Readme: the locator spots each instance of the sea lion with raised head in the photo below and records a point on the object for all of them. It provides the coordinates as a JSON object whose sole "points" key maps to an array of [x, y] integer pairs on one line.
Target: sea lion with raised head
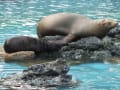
{"points": [[73, 26], [25, 43]]}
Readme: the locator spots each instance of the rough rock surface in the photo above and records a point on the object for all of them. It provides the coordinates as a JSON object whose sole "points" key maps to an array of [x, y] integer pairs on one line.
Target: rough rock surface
{"points": [[114, 49], [115, 32], [89, 49], [91, 43], [41, 77]]}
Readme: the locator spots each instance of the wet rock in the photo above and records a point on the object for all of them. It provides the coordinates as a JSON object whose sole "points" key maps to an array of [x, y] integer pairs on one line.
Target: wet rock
{"points": [[92, 49], [100, 56], [88, 49], [107, 41], [61, 80], [114, 59], [72, 54], [115, 32], [44, 76], [46, 69], [114, 49], [81, 49], [89, 43]]}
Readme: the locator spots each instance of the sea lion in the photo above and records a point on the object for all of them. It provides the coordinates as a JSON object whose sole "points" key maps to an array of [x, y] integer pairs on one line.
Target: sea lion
{"points": [[73, 26], [25, 43]]}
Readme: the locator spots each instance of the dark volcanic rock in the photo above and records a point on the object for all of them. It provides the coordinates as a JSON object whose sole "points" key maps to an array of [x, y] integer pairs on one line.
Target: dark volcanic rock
{"points": [[46, 69], [45, 81], [114, 49], [89, 49], [89, 43], [40, 76], [80, 49], [101, 55], [115, 32], [72, 54]]}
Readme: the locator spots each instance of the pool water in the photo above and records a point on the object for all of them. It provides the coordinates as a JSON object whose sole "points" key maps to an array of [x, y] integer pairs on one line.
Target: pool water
{"points": [[20, 17]]}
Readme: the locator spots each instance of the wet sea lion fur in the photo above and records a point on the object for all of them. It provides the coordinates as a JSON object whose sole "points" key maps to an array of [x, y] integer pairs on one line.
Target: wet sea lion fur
{"points": [[26, 43]]}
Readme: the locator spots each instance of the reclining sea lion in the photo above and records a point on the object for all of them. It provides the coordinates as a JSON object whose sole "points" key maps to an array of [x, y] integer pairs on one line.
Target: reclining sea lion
{"points": [[25, 43], [73, 26]]}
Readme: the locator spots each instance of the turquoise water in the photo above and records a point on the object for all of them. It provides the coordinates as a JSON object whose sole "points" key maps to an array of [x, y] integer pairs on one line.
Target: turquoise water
{"points": [[20, 17], [96, 76], [7, 69]]}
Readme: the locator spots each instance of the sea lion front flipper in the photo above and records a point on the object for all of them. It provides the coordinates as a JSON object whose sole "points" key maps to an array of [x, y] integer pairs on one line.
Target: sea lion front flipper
{"points": [[70, 37], [65, 40]]}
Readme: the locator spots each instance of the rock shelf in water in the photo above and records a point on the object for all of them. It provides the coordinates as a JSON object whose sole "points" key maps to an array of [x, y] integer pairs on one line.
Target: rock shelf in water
{"points": [[41, 77], [89, 49]]}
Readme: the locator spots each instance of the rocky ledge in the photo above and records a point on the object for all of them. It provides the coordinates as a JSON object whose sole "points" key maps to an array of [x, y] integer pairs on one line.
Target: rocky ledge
{"points": [[46, 76], [89, 49]]}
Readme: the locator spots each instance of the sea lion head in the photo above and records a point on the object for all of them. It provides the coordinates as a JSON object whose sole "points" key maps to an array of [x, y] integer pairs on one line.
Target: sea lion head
{"points": [[108, 23]]}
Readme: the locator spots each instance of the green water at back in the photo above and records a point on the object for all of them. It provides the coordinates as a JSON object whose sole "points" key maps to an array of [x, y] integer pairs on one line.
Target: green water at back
{"points": [[20, 17]]}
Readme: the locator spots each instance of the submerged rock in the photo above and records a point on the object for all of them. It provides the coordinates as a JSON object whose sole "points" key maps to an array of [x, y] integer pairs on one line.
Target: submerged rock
{"points": [[46, 75]]}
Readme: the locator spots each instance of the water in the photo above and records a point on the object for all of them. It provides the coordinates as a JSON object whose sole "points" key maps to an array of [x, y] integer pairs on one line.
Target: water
{"points": [[96, 76], [20, 17], [7, 69]]}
